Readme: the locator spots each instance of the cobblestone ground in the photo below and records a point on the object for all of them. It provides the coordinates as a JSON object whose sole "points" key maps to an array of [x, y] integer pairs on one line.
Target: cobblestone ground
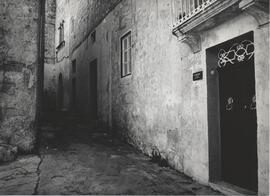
{"points": [[83, 160]]}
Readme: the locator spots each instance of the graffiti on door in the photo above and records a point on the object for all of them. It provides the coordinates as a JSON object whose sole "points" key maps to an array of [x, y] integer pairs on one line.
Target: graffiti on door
{"points": [[237, 53]]}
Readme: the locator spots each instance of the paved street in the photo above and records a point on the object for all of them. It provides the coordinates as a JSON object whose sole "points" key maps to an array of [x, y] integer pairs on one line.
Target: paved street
{"points": [[83, 160]]}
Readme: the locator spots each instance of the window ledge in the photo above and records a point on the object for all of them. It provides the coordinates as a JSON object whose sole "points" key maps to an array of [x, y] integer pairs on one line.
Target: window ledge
{"points": [[126, 76], [61, 45]]}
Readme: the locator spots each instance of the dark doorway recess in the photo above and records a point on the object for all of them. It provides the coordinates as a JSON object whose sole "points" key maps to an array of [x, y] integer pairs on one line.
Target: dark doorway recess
{"points": [[60, 92], [74, 94], [93, 89], [232, 116]]}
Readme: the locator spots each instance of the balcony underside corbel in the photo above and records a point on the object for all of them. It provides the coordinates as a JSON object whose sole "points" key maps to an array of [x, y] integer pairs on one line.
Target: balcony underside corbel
{"points": [[192, 40], [189, 30]]}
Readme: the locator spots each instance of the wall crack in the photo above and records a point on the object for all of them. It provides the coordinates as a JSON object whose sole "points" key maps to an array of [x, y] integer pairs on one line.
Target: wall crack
{"points": [[38, 173]]}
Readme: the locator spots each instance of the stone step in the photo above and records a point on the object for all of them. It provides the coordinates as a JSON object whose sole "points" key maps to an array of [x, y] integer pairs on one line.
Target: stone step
{"points": [[7, 153]]}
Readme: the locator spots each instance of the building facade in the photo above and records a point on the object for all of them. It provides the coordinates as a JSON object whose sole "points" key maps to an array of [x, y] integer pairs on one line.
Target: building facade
{"points": [[50, 80], [187, 81]]}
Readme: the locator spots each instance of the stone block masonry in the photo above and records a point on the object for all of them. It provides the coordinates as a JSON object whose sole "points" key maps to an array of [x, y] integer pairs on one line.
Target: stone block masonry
{"points": [[18, 64], [50, 82]]}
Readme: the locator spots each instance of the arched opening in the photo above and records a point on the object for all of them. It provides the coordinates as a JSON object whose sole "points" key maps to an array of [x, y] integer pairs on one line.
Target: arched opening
{"points": [[60, 92]]}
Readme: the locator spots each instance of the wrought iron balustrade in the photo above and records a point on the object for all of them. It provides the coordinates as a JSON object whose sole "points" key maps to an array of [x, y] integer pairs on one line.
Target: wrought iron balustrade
{"points": [[189, 8], [196, 16]]}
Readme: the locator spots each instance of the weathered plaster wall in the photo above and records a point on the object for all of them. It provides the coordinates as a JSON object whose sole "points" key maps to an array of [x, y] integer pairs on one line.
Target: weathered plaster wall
{"points": [[155, 107], [233, 28], [262, 96], [18, 64], [148, 106], [62, 63], [80, 19], [50, 78], [87, 15], [159, 109]]}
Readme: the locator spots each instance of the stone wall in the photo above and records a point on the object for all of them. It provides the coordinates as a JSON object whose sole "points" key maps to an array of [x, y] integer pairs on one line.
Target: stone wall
{"points": [[18, 64], [62, 63], [80, 18], [86, 16], [50, 80], [232, 28], [159, 108], [154, 107]]}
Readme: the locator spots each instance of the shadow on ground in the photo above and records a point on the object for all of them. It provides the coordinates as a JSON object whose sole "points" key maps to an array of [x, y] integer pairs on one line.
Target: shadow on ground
{"points": [[83, 159], [89, 160]]}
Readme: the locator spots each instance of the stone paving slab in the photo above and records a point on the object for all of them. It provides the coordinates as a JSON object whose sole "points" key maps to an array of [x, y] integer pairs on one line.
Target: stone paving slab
{"points": [[97, 163], [86, 162], [19, 177]]}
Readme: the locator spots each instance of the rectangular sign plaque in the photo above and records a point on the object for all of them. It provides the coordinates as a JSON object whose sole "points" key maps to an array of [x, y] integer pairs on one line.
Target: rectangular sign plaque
{"points": [[198, 76]]}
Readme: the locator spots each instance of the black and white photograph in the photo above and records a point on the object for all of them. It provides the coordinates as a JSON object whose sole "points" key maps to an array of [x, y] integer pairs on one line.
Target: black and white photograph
{"points": [[134, 97]]}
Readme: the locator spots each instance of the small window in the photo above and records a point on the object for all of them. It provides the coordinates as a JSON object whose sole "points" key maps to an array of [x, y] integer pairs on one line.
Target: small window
{"points": [[74, 66], [61, 36], [61, 32], [126, 55], [93, 36]]}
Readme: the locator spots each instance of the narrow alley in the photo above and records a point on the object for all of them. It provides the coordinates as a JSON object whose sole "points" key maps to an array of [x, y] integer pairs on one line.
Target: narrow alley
{"points": [[134, 97], [84, 159]]}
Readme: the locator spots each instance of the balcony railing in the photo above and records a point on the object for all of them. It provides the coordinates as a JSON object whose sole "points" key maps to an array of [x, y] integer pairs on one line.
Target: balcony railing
{"points": [[190, 8], [196, 16]]}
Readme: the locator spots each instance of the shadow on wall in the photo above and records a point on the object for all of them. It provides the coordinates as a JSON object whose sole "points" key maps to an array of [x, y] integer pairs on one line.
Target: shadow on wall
{"points": [[54, 101]]}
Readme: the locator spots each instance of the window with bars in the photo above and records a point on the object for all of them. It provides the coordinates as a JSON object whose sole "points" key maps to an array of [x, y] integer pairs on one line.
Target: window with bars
{"points": [[126, 54], [61, 36], [61, 32]]}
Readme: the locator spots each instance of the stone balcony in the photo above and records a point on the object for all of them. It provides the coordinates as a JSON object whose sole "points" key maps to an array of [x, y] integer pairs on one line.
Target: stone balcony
{"points": [[196, 16]]}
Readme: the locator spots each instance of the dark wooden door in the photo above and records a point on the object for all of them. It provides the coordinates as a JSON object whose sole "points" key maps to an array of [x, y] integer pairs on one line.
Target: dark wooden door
{"points": [[238, 120], [93, 89]]}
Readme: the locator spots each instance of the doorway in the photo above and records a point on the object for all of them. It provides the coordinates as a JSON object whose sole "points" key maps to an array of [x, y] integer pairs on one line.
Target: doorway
{"points": [[60, 92], [74, 94], [232, 113], [93, 89]]}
